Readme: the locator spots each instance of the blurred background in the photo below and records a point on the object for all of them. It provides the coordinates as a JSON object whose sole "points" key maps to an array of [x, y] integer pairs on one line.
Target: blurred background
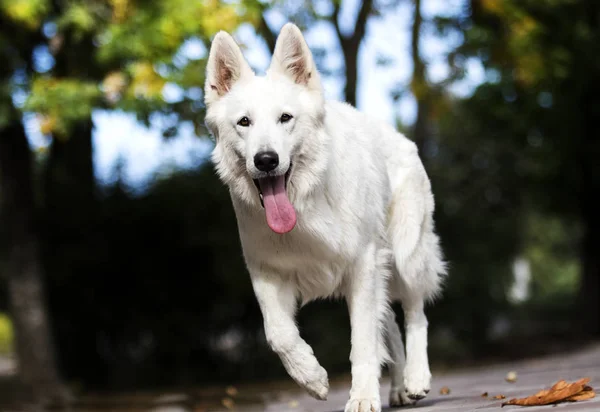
{"points": [[120, 264]]}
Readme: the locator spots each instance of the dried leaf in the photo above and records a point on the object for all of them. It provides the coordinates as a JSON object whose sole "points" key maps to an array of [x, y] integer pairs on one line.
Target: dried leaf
{"points": [[511, 377], [561, 391], [228, 403], [499, 397], [231, 391], [445, 391], [584, 395], [484, 395]]}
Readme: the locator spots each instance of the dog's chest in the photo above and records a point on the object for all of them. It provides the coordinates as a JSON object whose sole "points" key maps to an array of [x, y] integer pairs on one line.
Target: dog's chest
{"points": [[312, 256], [316, 269]]}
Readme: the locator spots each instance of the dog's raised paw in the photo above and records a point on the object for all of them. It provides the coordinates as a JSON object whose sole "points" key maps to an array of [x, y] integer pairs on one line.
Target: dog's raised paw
{"points": [[318, 387], [399, 397], [363, 405]]}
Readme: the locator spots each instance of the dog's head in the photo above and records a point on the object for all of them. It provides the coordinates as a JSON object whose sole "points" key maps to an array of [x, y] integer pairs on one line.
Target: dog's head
{"points": [[267, 129]]}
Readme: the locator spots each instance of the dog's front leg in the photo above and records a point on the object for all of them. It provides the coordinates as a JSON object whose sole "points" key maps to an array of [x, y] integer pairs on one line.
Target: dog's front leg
{"points": [[278, 304], [367, 303]]}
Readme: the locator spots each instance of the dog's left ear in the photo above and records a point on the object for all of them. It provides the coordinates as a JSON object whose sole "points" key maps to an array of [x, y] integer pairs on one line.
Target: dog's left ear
{"points": [[293, 58]]}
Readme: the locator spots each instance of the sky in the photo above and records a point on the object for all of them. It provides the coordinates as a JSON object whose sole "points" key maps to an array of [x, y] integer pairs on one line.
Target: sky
{"points": [[144, 152]]}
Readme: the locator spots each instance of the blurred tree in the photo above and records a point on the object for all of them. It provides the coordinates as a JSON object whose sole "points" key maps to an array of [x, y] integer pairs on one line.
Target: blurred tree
{"points": [[70, 58], [308, 13], [122, 55], [542, 102], [548, 55], [419, 85], [19, 228], [350, 44], [119, 55]]}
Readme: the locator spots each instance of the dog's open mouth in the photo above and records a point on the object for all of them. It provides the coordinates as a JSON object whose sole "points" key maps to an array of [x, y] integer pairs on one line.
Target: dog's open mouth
{"points": [[272, 190]]}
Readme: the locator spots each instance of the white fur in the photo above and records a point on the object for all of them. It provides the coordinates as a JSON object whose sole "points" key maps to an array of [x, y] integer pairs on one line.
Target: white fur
{"points": [[364, 230]]}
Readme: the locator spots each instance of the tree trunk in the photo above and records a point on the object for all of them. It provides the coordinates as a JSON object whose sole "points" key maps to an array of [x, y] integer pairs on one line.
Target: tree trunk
{"points": [[590, 282], [265, 31], [351, 63], [70, 183], [37, 368], [419, 84], [350, 45], [589, 152], [588, 159]]}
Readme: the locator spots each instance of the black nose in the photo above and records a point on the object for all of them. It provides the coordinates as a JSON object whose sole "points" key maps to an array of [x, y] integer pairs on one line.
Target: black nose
{"points": [[266, 161]]}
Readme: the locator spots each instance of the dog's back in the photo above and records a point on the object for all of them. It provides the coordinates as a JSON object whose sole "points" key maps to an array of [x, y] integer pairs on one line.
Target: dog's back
{"points": [[377, 174]]}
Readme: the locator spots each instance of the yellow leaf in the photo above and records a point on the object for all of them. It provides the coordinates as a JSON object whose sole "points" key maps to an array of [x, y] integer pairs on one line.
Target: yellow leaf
{"points": [[493, 6], [120, 10], [146, 83], [47, 124], [28, 12], [113, 85]]}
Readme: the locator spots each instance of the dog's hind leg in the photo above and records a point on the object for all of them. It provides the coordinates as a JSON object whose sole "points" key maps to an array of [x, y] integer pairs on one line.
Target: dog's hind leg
{"points": [[419, 266], [398, 396], [278, 304], [417, 377]]}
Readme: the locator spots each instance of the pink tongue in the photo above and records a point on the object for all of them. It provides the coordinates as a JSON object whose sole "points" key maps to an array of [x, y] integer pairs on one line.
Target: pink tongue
{"points": [[281, 216]]}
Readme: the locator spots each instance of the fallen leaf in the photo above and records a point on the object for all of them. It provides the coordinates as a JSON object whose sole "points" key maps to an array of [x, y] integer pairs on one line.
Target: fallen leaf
{"points": [[511, 377], [584, 395], [231, 391], [484, 395], [293, 404], [499, 397], [228, 403], [561, 391], [445, 391]]}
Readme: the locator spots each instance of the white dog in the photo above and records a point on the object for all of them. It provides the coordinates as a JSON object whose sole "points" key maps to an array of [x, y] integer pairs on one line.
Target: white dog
{"points": [[328, 203]]}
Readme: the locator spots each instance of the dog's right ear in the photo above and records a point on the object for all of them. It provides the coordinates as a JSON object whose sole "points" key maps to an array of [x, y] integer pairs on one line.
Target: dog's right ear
{"points": [[226, 65]]}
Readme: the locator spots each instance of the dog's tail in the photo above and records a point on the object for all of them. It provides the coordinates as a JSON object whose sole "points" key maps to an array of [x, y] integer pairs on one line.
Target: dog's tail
{"points": [[410, 225]]}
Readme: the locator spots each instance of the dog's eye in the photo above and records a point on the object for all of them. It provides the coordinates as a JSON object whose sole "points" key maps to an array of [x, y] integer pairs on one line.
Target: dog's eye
{"points": [[244, 122], [285, 118]]}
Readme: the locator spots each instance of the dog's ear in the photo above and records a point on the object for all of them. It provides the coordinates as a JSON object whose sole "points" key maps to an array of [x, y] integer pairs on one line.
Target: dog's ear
{"points": [[226, 65], [293, 58]]}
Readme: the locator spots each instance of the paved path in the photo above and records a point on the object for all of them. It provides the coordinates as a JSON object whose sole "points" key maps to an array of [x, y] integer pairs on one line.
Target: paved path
{"points": [[467, 386]]}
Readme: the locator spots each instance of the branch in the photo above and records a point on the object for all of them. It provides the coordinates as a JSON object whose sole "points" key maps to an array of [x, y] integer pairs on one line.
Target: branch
{"points": [[419, 86], [336, 24], [418, 65], [360, 26]]}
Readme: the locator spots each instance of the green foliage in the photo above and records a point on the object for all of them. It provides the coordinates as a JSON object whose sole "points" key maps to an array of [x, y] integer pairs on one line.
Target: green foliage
{"points": [[155, 30], [62, 103], [512, 162], [6, 335], [121, 54], [28, 12], [550, 248]]}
